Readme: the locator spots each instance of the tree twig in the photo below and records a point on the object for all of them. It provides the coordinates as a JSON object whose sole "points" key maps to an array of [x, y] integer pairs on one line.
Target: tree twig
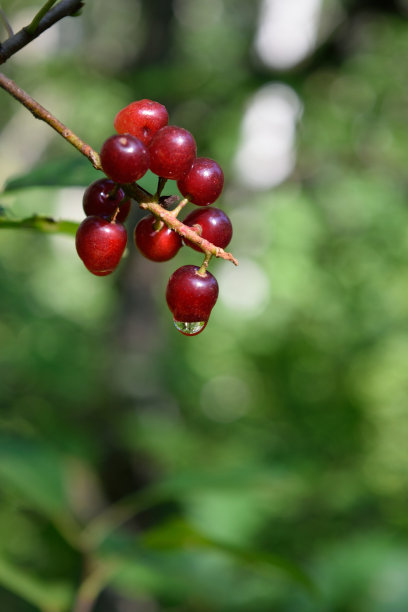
{"points": [[185, 231], [42, 113], [65, 8]]}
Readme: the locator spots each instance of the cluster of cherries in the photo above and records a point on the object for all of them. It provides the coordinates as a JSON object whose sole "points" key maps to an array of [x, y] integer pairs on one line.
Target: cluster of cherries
{"points": [[144, 141]]}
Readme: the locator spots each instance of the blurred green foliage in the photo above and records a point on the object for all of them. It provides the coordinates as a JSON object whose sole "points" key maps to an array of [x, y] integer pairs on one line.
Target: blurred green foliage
{"points": [[263, 464]]}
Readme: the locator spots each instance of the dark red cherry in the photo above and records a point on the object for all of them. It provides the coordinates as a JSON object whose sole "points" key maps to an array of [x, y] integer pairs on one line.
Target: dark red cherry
{"points": [[100, 244], [191, 297], [203, 183], [212, 224], [124, 158], [142, 119], [172, 152], [156, 244], [103, 197]]}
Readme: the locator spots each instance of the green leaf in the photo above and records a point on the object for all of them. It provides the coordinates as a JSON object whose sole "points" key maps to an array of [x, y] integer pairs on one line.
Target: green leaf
{"points": [[40, 224], [56, 173], [50, 596], [178, 534]]}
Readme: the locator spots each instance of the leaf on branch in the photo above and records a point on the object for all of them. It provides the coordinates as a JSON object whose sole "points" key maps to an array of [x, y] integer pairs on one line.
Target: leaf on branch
{"points": [[41, 224], [57, 173], [178, 534]]}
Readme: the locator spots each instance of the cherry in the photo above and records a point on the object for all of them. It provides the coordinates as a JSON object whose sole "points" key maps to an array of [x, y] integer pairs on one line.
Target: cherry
{"points": [[103, 197], [191, 297], [124, 158], [203, 183], [142, 119], [213, 225], [100, 244], [172, 152], [156, 244]]}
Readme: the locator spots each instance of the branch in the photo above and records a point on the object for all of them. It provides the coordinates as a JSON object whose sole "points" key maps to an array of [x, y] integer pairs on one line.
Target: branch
{"points": [[65, 8], [168, 217], [42, 113]]}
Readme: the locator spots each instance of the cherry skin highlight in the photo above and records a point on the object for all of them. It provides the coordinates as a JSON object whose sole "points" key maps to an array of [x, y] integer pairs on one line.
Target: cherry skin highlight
{"points": [[100, 244], [212, 224], [142, 119], [157, 245], [203, 183], [191, 296], [124, 158], [103, 197], [172, 152]]}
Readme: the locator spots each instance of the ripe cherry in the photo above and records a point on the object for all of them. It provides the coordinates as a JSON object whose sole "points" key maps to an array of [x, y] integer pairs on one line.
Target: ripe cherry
{"points": [[191, 297], [172, 152], [142, 119], [212, 224], [100, 244], [156, 244], [203, 183], [103, 197], [124, 158]]}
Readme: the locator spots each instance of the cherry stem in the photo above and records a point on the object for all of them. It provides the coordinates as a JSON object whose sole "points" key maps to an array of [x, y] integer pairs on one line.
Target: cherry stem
{"points": [[185, 231], [176, 211], [160, 186], [203, 269]]}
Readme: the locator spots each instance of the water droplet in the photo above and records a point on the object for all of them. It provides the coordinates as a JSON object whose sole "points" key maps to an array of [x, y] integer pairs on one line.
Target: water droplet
{"points": [[190, 328]]}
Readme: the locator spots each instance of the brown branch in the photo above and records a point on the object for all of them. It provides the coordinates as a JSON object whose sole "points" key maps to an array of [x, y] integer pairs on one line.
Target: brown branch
{"points": [[185, 231], [65, 8], [42, 113]]}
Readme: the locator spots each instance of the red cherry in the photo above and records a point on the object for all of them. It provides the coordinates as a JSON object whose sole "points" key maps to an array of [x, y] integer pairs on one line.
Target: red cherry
{"points": [[203, 183], [157, 245], [103, 197], [172, 152], [191, 297], [124, 158], [142, 119], [100, 244], [213, 225]]}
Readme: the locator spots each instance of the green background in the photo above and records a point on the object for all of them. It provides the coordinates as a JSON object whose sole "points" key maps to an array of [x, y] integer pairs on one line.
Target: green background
{"points": [[262, 465]]}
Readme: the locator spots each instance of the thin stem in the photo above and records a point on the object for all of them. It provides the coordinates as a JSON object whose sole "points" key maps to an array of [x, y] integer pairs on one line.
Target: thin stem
{"points": [[95, 578], [203, 269], [6, 23], [32, 27], [64, 8], [160, 186], [42, 113], [186, 232], [176, 211]]}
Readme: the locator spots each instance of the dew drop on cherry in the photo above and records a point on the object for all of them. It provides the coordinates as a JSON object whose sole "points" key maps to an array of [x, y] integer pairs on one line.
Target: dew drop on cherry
{"points": [[190, 328]]}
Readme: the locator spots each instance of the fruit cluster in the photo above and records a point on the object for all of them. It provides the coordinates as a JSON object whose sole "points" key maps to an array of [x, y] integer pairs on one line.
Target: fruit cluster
{"points": [[144, 141]]}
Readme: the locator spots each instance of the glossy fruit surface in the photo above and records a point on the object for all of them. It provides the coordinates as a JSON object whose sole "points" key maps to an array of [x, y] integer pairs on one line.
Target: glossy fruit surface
{"points": [[203, 183], [142, 119], [157, 245], [124, 158], [213, 225], [190, 296], [103, 197], [100, 244], [172, 152]]}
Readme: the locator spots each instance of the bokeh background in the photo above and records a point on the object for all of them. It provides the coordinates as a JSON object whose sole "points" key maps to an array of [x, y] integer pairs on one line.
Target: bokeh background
{"points": [[262, 465]]}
